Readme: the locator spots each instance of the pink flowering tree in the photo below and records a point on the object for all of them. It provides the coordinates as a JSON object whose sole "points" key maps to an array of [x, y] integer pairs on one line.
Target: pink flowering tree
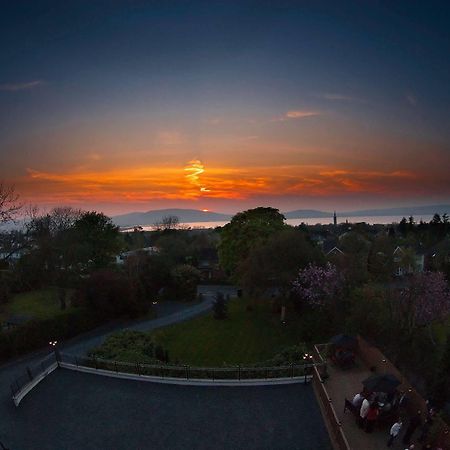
{"points": [[318, 286], [424, 301]]}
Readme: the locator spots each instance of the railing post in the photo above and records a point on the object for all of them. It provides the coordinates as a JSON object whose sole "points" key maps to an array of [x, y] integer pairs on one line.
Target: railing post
{"points": [[267, 373], [292, 370], [187, 372], [57, 356], [239, 372], [95, 363], [76, 361], [213, 373], [162, 372]]}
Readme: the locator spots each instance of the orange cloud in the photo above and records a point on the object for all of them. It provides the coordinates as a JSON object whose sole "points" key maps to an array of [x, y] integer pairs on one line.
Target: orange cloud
{"points": [[296, 114], [193, 183]]}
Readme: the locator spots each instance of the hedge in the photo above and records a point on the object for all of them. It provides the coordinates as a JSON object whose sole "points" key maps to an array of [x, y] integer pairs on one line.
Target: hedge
{"points": [[36, 334]]}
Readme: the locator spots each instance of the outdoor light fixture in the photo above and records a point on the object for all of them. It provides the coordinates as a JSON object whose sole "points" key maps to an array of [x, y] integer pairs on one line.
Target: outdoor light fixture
{"points": [[53, 343]]}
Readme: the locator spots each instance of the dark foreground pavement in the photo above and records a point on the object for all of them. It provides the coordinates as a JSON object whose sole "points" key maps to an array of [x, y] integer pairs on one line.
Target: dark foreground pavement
{"points": [[71, 410]]}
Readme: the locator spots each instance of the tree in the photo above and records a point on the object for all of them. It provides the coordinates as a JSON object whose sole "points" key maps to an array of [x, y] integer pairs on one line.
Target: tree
{"points": [[167, 223], [318, 286], [150, 272], [111, 294], [441, 388], [184, 281], [354, 262], [220, 308], [380, 258], [276, 262], [97, 239], [424, 300], [246, 230], [9, 203], [53, 247]]}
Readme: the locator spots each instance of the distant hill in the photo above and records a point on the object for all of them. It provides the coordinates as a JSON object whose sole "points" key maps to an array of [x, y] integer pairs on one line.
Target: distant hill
{"points": [[194, 215], [151, 217], [400, 211], [306, 214]]}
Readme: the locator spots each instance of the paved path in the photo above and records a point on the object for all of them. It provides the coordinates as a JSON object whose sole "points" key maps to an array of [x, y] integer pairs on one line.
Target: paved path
{"points": [[167, 312]]}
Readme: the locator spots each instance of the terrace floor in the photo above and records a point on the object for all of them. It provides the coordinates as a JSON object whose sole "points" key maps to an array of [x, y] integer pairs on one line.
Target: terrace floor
{"points": [[345, 383], [71, 410]]}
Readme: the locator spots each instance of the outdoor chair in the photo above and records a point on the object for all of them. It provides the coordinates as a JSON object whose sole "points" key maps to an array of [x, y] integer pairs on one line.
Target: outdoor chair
{"points": [[350, 407]]}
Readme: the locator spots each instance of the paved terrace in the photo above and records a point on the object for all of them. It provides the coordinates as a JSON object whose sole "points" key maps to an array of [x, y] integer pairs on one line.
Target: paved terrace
{"points": [[345, 383], [72, 410]]}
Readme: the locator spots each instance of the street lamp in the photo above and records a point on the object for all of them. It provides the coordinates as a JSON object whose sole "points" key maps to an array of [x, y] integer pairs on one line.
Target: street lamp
{"points": [[306, 357]]}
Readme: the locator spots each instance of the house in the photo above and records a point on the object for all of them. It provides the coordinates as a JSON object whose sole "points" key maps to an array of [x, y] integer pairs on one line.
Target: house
{"points": [[122, 257], [408, 260], [331, 248], [335, 251]]}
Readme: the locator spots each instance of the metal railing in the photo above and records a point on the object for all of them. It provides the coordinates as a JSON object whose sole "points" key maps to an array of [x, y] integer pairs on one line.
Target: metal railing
{"points": [[31, 373], [187, 372]]}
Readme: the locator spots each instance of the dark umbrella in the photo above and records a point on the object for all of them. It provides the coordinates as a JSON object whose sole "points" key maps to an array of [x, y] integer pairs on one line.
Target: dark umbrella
{"points": [[344, 341], [381, 383]]}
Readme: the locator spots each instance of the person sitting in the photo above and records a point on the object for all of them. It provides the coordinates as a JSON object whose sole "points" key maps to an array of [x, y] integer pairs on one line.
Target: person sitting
{"points": [[363, 412], [357, 400], [371, 417]]}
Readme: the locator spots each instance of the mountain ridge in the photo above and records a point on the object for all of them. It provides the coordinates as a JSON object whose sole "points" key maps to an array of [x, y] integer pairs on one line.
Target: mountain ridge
{"points": [[195, 215]]}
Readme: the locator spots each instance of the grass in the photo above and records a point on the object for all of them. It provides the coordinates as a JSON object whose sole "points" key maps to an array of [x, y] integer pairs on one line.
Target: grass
{"points": [[245, 337], [38, 304]]}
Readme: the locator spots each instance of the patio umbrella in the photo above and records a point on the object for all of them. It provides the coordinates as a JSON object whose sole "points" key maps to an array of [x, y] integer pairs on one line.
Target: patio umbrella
{"points": [[381, 383], [344, 341]]}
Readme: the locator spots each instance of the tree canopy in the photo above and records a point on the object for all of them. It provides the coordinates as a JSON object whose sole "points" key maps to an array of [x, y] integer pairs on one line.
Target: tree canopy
{"points": [[276, 262], [245, 230]]}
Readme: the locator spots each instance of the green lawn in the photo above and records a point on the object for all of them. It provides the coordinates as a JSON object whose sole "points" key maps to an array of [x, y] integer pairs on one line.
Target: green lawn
{"points": [[39, 304], [244, 338]]}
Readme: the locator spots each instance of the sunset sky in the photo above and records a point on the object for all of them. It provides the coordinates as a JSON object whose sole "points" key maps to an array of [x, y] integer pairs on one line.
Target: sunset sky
{"points": [[138, 105]]}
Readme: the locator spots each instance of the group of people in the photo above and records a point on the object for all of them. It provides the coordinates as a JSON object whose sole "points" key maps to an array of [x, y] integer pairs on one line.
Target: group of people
{"points": [[370, 406], [368, 411]]}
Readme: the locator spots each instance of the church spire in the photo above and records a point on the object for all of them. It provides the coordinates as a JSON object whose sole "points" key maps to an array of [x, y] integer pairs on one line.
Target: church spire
{"points": [[335, 219]]}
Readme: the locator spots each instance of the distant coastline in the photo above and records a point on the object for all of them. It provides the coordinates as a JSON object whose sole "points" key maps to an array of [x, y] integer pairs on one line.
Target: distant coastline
{"points": [[383, 220], [207, 219]]}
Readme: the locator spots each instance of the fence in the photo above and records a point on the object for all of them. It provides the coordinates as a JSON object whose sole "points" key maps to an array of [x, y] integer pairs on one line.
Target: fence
{"points": [[319, 373], [297, 372], [32, 376]]}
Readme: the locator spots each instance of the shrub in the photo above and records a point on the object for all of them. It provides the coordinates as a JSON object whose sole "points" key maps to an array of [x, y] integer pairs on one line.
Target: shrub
{"points": [[131, 346], [184, 282], [220, 307]]}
